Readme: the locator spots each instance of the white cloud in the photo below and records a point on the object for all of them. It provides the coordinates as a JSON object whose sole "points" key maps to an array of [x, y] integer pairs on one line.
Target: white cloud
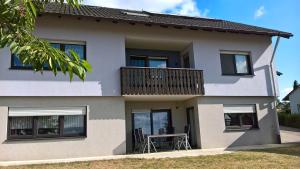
{"points": [[259, 12], [181, 7]]}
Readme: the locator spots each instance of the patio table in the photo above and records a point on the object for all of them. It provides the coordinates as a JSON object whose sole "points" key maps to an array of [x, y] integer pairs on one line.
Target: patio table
{"points": [[149, 137]]}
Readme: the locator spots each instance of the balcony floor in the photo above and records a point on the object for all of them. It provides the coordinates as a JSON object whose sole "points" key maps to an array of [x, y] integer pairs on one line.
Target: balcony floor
{"points": [[158, 97]]}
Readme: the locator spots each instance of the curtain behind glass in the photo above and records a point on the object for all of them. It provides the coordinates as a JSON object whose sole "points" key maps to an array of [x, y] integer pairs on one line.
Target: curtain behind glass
{"points": [[74, 125], [48, 125], [21, 126]]}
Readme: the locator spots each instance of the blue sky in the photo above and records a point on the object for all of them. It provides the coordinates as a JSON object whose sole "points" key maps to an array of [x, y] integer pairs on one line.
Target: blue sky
{"points": [[277, 14]]}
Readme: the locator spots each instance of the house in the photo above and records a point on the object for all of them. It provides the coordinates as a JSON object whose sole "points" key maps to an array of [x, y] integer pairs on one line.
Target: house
{"points": [[150, 71], [294, 98]]}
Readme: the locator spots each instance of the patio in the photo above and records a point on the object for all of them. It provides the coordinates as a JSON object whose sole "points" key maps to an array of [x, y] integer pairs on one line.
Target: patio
{"points": [[160, 126]]}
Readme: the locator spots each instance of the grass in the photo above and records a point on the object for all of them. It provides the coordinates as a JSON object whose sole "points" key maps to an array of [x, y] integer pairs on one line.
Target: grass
{"points": [[256, 159]]}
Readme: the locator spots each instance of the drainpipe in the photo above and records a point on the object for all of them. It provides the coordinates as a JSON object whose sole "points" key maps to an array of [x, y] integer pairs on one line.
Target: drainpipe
{"points": [[274, 88]]}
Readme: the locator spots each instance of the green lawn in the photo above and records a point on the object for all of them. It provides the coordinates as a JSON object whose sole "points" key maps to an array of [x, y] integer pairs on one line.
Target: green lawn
{"points": [[269, 158]]}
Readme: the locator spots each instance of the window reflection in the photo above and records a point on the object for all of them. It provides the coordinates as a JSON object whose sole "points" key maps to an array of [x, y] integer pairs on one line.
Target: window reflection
{"points": [[152, 122], [158, 63], [160, 122], [143, 120], [79, 49], [241, 64]]}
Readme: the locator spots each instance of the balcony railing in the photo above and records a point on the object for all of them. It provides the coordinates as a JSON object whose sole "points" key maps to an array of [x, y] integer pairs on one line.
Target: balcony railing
{"points": [[161, 81]]}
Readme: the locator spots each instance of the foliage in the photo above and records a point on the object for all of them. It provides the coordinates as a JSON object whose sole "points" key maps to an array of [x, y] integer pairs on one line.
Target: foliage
{"points": [[17, 22], [283, 106], [296, 84], [288, 119]]}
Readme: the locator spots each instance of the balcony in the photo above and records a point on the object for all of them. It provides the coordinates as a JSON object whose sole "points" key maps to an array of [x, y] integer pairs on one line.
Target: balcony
{"points": [[161, 81]]}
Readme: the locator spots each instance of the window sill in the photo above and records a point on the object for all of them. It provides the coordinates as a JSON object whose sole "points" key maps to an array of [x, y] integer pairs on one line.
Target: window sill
{"points": [[27, 69], [241, 75], [44, 139], [240, 130]]}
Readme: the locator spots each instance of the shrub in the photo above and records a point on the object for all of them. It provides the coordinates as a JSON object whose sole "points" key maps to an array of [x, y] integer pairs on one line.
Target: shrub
{"points": [[290, 120]]}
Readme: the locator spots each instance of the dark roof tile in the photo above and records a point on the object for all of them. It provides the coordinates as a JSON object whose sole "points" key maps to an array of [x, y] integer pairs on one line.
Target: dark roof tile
{"points": [[162, 19]]}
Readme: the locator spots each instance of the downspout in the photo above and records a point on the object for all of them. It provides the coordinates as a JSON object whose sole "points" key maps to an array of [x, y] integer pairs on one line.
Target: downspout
{"points": [[275, 93]]}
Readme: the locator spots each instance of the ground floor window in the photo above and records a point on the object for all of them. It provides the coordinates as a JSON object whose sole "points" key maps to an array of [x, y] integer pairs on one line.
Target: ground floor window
{"points": [[240, 117], [152, 121], [24, 123]]}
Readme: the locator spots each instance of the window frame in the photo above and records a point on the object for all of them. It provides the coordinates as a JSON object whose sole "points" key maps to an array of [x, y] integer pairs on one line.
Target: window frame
{"points": [[152, 111], [249, 63], [35, 129], [148, 58], [62, 48], [255, 124]]}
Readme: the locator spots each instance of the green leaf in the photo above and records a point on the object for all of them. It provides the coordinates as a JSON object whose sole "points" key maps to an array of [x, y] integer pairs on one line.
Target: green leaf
{"points": [[32, 8], [21, 49], [87, 66]]}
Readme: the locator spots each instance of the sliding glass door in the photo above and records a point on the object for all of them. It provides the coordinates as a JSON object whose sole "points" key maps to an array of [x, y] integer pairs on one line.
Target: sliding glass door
{"points": [[142, 120], [152, 122]]}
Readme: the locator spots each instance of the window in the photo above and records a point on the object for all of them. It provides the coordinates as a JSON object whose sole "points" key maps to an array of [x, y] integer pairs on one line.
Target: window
{"points": [[240, 117], [135, 13], [236, 64], [152, 121], [138, 61], [80, 49], [24, 123], [158, 62], [144, 61]]}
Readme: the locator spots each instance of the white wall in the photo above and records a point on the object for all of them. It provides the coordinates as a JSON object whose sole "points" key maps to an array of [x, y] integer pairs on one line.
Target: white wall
{"points": [[106, 52], [102, 138], [213, 133], [295, 101], [207, 57]]}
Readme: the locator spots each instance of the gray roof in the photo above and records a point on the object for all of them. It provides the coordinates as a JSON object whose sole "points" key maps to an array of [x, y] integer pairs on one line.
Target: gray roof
{"points": [[165, 20]]}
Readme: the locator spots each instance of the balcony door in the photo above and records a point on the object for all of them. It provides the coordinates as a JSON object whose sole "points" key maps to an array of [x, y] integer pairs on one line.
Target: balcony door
{"points": [[152, 122], [190, 114]]}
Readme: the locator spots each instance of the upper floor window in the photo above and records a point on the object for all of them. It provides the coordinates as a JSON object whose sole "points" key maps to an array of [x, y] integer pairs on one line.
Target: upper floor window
{"points": [[144, 61], [80, 49], [236, 64], [158, 62]]}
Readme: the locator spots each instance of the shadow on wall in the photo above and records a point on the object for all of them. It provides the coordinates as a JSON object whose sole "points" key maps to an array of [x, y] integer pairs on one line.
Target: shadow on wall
{"points": [[266, 134], [50, 140], [267, 70], [121, 149], [107, 115]]}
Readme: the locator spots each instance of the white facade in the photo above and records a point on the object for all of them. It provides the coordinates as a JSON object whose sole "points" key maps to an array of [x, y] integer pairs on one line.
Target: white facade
{"points": [[295, 101], [109, 117], [106, 43]]}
